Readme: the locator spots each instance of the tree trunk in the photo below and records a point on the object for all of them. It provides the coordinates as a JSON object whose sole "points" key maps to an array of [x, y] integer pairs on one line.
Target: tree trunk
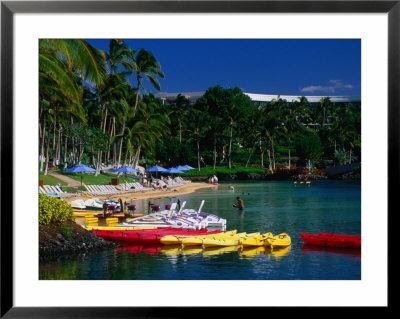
{"points": [[261, 153], [137, 156], [198, 154], [230, 148], [137, 94], [65, 148], [273, 153], [215, 152], [126, 156], [42, 146], [248, 159], [110, 134], [120, 144], [270, 163], [54, 140], [47, 155]]}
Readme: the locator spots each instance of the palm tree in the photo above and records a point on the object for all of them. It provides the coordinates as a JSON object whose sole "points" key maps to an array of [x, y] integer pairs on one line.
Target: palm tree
{"points": [[179, 108], [197, 127], [152, 118], [146, 66]]}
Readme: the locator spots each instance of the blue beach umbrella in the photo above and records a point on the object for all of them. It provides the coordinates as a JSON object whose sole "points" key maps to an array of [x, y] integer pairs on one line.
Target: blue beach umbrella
{"points": [[187, 167], [156, 169], [80, 168], [173, 170], [125, 169], [181, 168]]}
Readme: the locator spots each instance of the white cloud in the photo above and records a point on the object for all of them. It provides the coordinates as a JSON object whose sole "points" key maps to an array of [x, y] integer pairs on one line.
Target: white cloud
{"points": [[332, 86]]}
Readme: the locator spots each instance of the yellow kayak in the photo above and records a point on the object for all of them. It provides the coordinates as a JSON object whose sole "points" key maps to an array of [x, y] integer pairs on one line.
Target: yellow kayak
{"points": [[198, 240], [281, 240], [177, 239], [211, 242], [258, 240]]}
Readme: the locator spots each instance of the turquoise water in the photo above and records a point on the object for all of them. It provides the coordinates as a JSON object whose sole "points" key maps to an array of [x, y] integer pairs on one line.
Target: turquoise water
{"points": [[277, 207]]}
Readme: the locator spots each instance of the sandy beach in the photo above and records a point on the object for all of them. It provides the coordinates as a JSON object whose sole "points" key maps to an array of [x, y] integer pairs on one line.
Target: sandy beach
{"points": [[179, 190]]}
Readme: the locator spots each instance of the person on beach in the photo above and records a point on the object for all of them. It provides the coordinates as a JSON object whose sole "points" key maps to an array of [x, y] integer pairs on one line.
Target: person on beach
{"points": [[215, 179], [239, 204]]}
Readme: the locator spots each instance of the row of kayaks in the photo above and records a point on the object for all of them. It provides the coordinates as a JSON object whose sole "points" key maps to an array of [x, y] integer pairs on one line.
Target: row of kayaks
{"points": [[229, 238], [146, 234], [191, 237]]}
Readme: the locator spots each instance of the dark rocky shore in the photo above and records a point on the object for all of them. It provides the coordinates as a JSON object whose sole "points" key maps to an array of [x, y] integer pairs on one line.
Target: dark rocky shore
{"points": [[67, 240]]}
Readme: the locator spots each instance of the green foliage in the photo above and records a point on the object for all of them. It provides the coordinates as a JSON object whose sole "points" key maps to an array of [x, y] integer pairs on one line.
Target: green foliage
{"points": [[169, 150], [309, 147], [66, 230], [52, 209], [223, 170]]}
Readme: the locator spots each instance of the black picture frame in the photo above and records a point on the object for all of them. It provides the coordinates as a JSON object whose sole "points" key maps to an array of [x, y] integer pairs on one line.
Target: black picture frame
{"points": [[9, 8]]}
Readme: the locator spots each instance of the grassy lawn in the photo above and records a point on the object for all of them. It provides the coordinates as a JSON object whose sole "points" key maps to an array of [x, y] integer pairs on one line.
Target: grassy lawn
{"points": [[50, 180], [100, 179], [223, 170]]}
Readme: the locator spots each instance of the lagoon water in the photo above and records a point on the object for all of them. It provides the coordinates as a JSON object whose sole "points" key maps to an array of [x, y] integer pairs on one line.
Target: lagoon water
{"points": [[277, 207]]}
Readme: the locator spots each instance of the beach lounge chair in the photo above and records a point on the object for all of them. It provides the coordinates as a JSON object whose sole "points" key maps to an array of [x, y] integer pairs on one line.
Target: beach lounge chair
{"points": [[181, 180], [92, 190], [41, 190], [141, 188], [114, 190], [48, 191], [62, 193], [173, 183], [104, 189], [111, 189]]}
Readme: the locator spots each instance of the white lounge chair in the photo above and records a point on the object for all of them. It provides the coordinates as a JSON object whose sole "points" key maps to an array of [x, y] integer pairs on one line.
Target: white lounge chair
{"points": [[62, 193]]}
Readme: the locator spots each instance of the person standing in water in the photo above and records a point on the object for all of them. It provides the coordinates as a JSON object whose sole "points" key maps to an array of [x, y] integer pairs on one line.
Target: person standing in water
{"points": [[239, 204]]}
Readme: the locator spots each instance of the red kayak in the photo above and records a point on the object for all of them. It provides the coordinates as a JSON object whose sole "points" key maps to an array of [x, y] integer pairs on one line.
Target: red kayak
{"points": [[148, 235], [332, 240], [155, 237]]}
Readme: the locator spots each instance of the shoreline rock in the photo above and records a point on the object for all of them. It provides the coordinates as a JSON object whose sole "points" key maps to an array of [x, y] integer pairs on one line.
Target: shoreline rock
{"points": [[68, 240]]}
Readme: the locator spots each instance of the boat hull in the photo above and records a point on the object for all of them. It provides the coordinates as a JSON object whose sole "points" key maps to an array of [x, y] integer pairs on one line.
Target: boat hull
{"points": [[281, 240], [332, 240]]}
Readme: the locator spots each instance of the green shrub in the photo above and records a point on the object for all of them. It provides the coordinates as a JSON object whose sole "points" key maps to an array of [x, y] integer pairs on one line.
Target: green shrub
{"points": [[52, 209], [66, 230]]}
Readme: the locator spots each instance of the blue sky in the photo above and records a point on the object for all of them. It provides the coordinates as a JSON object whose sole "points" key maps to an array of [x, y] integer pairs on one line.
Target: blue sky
{"points": [[325, 67]]}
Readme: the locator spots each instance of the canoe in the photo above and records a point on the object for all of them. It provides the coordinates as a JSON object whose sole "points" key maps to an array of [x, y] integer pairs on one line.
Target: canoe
{"points": [[332, 240], [281, 240], [255, 240], [177, 239]]}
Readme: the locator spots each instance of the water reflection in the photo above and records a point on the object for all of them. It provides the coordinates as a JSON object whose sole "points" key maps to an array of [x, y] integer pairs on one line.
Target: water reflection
{"points": [[332, 250]]}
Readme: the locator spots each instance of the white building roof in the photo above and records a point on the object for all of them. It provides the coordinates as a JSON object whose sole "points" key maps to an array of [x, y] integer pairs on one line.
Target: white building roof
{"points": [[268, 97]]}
